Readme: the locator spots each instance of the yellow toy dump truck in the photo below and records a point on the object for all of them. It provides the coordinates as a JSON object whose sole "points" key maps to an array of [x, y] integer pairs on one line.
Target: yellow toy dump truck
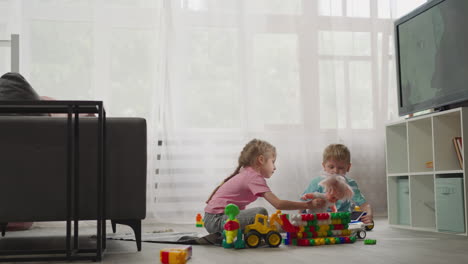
{"points": [[263, 228]]}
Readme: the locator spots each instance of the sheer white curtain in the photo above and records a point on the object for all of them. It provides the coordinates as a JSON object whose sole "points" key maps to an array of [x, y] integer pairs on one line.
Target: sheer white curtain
{"points": [[300, 74], [209, 75]]}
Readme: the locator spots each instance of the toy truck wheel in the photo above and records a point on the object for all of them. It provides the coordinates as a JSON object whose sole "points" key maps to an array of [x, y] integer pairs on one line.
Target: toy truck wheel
{"points": [[370, 227], [361, 234], [273, 239], [253, 238]]}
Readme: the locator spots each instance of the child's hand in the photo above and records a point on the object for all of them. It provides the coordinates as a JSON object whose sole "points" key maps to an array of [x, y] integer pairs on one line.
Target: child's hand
{"points": [[316, 203], [367, 219], [307, 196]]}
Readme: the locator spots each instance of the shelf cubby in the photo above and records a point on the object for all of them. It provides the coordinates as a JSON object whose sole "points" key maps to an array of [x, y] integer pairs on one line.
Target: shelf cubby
{"points": [[420, 145], [446, 128], [450, 203], [422, 201], [398, 196], [392, 200], [397, 153]]}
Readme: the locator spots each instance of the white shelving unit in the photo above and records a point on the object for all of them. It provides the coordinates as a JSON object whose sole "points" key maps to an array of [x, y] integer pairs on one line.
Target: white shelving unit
{"points": [[421, 196]]}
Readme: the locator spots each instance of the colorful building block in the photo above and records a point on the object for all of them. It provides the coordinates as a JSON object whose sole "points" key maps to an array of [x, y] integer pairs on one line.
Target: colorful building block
{"points": [[199, 220], [177, 255], [317, 229]]}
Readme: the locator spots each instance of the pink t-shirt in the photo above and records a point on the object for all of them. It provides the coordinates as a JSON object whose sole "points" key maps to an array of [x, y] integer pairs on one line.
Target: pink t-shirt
{"points": [[241, 190]]}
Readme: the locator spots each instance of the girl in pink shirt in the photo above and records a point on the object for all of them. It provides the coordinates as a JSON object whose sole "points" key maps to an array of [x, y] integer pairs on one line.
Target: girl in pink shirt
{"points": [[245, 185]]}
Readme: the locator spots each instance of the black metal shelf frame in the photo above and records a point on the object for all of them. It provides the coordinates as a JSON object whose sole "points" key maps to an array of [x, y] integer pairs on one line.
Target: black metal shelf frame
{"points": [[72, 109]]}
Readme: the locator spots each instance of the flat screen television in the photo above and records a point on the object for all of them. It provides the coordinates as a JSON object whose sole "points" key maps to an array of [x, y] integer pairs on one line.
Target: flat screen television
{"points": [[432, 57]]}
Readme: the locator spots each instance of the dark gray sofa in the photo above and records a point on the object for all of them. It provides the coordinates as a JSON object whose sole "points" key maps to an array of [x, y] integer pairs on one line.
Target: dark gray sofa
{"points": [[33, 169]]}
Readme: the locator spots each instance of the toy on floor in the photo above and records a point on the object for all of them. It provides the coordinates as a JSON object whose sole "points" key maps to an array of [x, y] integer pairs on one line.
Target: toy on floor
{"points": [[232, 234], [356, 215], [358, 227], [199, 220], [317, 229], [302, 229], [370, 241], [177, 255], [263, 228]]}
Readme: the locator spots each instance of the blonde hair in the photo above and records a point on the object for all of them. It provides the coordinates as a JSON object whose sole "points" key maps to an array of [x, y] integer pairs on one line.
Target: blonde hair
{"points": [[337, 152], [248, 157]]}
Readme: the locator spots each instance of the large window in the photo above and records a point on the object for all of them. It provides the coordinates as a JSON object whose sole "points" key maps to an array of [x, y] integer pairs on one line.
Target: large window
{"points": [[95, 50]]}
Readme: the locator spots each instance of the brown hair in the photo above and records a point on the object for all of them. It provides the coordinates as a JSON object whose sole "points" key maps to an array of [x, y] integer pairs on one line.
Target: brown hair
{"points": [[337, 152], [248, 156]]}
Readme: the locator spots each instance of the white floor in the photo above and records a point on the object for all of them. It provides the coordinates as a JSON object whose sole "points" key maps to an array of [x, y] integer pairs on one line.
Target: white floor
{"points": [[394, 245]]}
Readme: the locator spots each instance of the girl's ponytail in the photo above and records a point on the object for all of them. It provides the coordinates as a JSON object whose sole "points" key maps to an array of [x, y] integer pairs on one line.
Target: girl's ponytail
{"points": [[225, 180], [247, 157]]}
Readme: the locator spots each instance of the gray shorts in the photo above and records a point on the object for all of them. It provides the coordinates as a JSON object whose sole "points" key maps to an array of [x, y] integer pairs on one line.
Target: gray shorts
{"points": [[215, 222]]}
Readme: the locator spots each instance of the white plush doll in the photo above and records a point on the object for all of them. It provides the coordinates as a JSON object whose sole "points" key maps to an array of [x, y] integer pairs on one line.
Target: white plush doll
{"points": [[335, 188]]}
